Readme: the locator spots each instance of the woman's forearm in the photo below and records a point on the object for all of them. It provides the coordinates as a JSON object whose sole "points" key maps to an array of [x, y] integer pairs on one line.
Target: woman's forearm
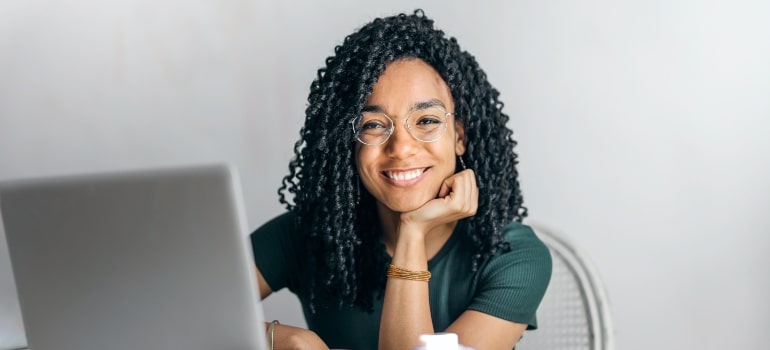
{"points": [[406, 308]]}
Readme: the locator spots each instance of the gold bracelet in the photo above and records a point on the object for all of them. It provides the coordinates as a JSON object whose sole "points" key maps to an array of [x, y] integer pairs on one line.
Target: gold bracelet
{"points": [[271, 333], [400, 272]]}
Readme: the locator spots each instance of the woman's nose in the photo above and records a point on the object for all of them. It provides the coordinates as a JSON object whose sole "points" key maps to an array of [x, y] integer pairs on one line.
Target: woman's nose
{"points": [[401, 144]]}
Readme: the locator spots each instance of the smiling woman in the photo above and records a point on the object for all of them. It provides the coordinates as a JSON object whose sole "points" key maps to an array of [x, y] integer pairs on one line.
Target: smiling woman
{"points": [[407, 171], [406, 211]]}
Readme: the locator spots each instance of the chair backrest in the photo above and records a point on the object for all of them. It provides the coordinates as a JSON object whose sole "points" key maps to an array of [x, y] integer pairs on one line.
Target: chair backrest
{"points": [[574, 314]]}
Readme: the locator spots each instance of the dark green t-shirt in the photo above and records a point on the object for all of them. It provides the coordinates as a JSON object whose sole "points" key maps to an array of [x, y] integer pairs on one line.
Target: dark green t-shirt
{"points": [[510, 285]]}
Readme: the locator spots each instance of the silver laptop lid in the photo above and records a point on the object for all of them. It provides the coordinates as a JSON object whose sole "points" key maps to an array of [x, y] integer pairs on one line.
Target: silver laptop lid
{"points": [[138, 260], [11, 326]]}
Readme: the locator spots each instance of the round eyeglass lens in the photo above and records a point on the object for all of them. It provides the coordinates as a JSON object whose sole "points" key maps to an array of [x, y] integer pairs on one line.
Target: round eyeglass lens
{"points": [[426, 125]]}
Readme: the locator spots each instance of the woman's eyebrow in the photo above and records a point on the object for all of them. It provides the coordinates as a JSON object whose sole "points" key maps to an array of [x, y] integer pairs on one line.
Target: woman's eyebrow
{"points": [[417, 106], [427, 104], [373, 109]]}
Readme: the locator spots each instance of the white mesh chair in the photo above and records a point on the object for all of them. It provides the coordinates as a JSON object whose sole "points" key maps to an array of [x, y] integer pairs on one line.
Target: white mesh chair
{"points": [[574, 314]]}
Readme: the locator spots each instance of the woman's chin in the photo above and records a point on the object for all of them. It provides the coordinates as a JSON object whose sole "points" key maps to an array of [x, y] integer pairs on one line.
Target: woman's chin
{"points": [[404, 206]]}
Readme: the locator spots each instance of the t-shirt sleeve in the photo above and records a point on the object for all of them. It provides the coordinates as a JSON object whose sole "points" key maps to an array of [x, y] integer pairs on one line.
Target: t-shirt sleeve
{"points": [[276, 251], [513, 283]]}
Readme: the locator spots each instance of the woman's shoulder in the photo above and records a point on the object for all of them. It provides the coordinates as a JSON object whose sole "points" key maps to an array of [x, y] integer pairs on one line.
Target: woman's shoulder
{"points": [[527, 252], [285, 222], [522, 236], [279, 251], [513, 281]]}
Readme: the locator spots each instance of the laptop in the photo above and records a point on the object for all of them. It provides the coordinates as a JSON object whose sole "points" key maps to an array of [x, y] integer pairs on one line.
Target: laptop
{"points": [[152, 259]]}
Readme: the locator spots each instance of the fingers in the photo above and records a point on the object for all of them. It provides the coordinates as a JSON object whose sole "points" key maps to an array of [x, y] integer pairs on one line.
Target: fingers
{"points": [[461, 193], [445, 189]]}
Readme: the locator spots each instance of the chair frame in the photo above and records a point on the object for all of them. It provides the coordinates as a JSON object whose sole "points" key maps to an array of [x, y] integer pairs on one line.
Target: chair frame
{"points": [[596, 300]]}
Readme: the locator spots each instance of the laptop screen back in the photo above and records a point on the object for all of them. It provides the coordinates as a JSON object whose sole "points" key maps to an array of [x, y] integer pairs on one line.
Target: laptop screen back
{"points": [[140, 260]]}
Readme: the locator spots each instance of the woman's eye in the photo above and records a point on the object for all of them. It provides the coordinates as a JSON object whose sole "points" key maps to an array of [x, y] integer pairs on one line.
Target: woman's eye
{"points": [[372, 125], [428, 119]]}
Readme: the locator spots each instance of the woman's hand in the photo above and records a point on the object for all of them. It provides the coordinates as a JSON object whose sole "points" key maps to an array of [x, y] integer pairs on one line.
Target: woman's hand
{"points": [[457, 199], [293, 338]]}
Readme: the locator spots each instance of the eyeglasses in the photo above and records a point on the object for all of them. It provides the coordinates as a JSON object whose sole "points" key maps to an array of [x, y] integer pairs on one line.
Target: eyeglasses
{"points": [[425, 125]]}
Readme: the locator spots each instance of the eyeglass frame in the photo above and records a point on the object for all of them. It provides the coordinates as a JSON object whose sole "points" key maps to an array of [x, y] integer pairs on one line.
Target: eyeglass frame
{"points": [[357, 136]]}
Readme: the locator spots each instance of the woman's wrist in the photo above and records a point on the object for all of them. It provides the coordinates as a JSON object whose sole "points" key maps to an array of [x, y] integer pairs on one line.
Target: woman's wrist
{"points": [[271, 333], [409, 252], [289, 337], [406, 274], [411, 233]]}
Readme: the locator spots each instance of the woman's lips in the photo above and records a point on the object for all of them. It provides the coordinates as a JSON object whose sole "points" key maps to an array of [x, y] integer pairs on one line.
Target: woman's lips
{"points": [[404, 178]]}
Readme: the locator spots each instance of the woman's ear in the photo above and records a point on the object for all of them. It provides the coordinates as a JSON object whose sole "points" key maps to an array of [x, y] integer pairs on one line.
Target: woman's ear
{"points": [[459, 138]]}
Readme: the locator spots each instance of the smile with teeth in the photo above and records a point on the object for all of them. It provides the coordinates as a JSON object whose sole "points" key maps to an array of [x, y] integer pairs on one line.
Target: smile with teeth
{"points": [[404, 175]]}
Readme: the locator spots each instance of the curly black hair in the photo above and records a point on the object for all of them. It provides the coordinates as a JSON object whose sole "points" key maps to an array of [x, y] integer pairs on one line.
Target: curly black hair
{"points": [[342, 230]]}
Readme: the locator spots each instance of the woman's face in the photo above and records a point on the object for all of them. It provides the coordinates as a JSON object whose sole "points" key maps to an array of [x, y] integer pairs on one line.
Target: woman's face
{"points": [[403, 173]]}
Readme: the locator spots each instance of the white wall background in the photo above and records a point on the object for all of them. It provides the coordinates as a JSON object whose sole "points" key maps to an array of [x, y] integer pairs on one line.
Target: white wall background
{"points": [[642, 125]]}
